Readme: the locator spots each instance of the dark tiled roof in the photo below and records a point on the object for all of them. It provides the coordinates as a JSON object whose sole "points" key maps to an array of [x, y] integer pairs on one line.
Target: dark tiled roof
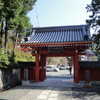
{"points": [[25, 65], [89, 64], [61, 34]]}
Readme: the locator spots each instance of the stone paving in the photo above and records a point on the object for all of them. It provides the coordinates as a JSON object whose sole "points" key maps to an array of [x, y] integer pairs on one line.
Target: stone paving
{"points": [[54, 88], [87, 93], [37, 93], [51, 93], [50, 89]]}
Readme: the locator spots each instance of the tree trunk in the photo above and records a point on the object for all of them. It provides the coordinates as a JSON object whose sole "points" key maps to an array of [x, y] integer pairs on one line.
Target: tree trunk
{"points": [[1, 29], [1, 33], [15, 44], [6, 36]]}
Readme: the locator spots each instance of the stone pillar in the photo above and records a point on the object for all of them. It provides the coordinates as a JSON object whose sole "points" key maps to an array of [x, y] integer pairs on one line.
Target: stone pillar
{"points": [[87, 76], [25, 81], [87, 79], [25, 74], [16, 71]]}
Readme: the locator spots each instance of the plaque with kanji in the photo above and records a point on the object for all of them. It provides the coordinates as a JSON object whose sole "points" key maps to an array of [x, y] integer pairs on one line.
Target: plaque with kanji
{"points": [[56, 49]]}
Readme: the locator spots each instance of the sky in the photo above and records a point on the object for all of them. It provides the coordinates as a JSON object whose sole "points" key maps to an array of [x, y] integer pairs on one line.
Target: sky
{"points": [[48, 13]]}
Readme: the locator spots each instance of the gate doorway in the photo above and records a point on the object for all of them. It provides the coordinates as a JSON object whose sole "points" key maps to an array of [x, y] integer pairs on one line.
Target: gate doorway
{"points": [[58, 67], [61, 77]]}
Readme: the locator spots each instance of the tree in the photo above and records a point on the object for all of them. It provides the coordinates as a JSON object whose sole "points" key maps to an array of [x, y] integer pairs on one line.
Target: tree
{"points": [[23, 21], [14, 15], [1, 21], [4, 60], [94, 22]]}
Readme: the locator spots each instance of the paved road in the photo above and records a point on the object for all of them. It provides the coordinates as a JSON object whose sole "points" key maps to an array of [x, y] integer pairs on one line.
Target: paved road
{"points": [[61, 73]]}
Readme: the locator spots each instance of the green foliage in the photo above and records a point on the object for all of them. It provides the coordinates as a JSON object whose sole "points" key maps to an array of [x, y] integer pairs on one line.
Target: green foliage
{"points": [[22, 56], [4, 59], [12, 23], [8, 58], [28, 5], [13, 15], [24, 24], [18, 55], [94, 22], [96, 38]]}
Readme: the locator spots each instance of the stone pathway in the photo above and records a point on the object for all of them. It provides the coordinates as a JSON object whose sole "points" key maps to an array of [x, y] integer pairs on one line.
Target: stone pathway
{"points": [[52, 89], [86, 93], [37, 93], [58, 82], [51, 93]]}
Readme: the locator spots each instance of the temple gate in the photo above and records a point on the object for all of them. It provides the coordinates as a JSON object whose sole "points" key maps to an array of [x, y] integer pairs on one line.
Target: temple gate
{"points": [[60, 41]]}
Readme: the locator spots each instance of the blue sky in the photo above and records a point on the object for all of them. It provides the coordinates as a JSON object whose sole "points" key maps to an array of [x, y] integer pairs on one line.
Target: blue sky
{"points": [[59, 12]]}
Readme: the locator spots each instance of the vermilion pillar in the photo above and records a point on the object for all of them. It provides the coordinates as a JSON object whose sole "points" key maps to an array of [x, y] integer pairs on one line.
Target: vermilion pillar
{"points": [[41, 70], [37, 68], [44, 66], [76, 67]]}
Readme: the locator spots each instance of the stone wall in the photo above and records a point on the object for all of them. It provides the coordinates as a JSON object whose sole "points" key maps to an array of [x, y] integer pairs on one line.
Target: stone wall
{"points": [[1, 85], [9, 78]]}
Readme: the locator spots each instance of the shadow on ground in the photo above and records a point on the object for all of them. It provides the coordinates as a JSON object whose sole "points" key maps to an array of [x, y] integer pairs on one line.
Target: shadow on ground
{"points": [[86, 93]]}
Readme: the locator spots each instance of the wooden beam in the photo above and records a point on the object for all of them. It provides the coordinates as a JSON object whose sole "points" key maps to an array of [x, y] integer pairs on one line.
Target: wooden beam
{"points": [[81, 53], [58, 55], [43, 51], [52, 44]]}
